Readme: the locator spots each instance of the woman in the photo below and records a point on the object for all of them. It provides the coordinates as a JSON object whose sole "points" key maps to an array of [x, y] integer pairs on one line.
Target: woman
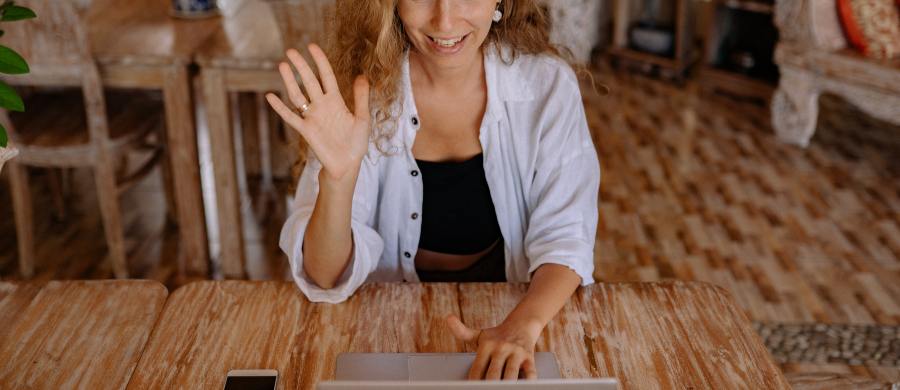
{"points": [[474, 163]]}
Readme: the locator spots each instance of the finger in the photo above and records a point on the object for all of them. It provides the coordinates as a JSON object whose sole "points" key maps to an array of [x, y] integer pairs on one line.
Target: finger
{"points": [[324, 67], [495, 368], [529, 368], [310, 82], [361, 102], [476, 372], [460, 330], [290, 82], [513, 366], [285, 113]]}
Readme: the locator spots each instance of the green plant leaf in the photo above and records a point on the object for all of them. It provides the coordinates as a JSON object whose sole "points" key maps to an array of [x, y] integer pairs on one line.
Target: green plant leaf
{"points": [[9, 99], [3, 137], [16, 12], [11, 62]]}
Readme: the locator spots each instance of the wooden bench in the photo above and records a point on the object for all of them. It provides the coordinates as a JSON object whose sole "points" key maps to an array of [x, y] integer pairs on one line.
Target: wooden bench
{"points": [[814, 58]]}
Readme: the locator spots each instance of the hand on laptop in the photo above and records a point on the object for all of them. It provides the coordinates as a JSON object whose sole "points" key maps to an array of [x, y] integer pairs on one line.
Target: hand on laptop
{"points": [[502, 352]]}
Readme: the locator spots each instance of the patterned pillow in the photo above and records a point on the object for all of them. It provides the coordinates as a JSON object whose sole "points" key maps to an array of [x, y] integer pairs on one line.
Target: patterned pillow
{"points": [[872, 26]]}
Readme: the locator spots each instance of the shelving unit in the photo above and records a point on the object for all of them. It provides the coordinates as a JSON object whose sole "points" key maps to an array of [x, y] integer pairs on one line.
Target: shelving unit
{"points": [[727, 18], [624, 18]]}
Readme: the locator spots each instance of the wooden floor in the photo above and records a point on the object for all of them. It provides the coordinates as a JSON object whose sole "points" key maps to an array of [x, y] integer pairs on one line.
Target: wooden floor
{"points": [[694, 187]]}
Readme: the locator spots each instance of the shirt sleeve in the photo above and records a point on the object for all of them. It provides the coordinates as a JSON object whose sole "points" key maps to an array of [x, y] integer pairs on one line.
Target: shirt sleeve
{"points": [[562, 201], [367, 244]]}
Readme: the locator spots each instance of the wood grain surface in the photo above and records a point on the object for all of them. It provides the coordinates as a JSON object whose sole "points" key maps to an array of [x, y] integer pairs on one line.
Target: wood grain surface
{"points": [[675, 335], [75, 335], [486, 305], [669, 335], [208, 328]]}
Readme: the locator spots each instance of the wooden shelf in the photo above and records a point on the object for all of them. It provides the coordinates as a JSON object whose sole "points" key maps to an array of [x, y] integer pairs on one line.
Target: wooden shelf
{"points": [[749, 5], [683, 22], [735, 83], [711, 75], [640, 56]]}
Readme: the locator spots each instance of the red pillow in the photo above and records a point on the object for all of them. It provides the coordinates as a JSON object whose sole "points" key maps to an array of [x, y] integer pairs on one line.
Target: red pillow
{"points": [[872, 26]]}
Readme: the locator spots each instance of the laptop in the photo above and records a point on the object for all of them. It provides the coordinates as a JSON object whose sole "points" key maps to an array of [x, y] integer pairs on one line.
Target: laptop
{"points": [[439, 371]]}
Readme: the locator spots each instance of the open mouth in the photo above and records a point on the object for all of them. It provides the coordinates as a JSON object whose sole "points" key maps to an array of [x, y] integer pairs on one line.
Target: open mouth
{"points": [[448, 44]]}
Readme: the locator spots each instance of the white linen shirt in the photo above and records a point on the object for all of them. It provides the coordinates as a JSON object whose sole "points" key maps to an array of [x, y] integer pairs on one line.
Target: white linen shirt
{"points": [[541, 168]]}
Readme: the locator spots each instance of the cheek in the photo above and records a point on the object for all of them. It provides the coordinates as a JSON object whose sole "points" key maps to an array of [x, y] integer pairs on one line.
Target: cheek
{"points": [[410, 17], [481, 14], [486, 10], [482, 19]]}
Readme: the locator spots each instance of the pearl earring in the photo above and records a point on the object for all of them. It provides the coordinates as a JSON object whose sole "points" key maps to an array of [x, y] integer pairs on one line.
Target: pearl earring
{"points": [[497, 14]]}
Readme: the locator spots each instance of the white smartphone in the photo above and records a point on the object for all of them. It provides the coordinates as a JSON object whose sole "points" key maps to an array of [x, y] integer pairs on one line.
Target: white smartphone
{"points": [[251, 380]]}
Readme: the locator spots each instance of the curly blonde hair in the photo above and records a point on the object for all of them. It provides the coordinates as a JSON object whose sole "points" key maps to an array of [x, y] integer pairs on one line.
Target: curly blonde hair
{"points": [[368, 39]]}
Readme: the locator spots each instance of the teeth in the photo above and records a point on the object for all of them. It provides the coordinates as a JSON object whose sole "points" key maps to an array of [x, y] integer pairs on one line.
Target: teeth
{"points": [[447, 42]]}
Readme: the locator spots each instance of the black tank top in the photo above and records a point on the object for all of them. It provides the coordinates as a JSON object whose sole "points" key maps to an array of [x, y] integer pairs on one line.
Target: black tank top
{"points": [[458, 217]]}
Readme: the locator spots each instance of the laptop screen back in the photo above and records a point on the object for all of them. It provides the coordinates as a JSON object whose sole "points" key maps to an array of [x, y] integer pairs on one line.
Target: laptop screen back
{"points": [[545, 384], [422, 366]]}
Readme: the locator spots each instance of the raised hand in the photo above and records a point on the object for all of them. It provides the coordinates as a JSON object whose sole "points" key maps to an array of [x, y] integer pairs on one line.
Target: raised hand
{"points": [[338, 137]]}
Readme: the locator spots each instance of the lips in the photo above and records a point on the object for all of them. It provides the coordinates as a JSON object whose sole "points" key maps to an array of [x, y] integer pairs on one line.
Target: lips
{"points": [[447, 45], [447, 42]]}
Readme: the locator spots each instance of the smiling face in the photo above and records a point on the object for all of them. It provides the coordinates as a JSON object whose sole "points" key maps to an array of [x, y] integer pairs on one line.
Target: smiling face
{"points": [[447, 33]]}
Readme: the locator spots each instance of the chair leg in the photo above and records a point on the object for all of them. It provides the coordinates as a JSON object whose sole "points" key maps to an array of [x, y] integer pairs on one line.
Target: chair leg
{"points": [[265, 143], [55, 176], [24, 214], [267, 195], [168, 189], [105, 178]]}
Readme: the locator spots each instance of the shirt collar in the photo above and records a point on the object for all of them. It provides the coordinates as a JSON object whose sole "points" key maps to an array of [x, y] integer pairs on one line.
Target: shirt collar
{"points": [[504, 82]]}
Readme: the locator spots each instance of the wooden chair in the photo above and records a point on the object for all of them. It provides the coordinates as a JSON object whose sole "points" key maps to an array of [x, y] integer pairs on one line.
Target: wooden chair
{"points": [[74, 129]]}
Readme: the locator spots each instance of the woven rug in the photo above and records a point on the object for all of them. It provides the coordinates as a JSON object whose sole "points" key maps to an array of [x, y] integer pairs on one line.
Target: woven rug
{"points": [[870, 345]]}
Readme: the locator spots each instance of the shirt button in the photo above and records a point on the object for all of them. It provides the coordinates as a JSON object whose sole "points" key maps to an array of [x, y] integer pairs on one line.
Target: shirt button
{"points": [[407, 255], [415, 215], [414, 173], [415, 121]]}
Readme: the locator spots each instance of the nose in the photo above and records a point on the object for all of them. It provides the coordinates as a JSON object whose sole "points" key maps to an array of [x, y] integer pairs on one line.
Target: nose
{"points": [[443, 18]]}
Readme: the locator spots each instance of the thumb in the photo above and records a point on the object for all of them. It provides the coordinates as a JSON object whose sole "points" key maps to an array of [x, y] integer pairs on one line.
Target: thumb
{"points": [[460, 330], [361, 97]]}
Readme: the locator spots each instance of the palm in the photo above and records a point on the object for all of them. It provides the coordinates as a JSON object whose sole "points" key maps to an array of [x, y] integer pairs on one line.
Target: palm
{"points": [[338, 137]]}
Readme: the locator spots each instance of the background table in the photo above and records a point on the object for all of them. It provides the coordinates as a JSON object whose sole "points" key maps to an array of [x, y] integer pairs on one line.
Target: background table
{"points": [[85, 334], [663, 335], [241, 56], [138, 45]]}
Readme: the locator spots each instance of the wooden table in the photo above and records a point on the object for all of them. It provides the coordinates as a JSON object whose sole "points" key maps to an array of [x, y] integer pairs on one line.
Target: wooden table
{"points": [[242, 56], [663, 335], [138, 45], [84, 334]]}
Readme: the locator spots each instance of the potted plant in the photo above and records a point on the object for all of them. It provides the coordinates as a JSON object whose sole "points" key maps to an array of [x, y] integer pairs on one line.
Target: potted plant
{"points": [[10, 63]]}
